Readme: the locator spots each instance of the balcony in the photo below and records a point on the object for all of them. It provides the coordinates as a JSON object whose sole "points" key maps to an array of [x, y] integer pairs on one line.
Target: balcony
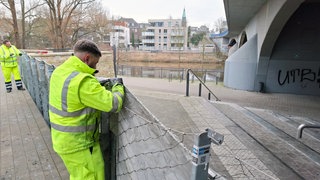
{"points": [[147, 41], [147, 33]]}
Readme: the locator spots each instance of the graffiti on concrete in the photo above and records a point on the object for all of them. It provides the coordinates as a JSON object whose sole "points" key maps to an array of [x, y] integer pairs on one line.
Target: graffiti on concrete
{"points": [[298, 75]]}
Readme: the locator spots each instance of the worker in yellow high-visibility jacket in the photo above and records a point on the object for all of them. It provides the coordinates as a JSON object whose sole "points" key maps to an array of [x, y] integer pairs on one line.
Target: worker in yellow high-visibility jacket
{"points": [[9, 65], [76, 99]]}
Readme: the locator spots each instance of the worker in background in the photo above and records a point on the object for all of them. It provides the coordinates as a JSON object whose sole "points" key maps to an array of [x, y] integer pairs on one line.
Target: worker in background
{"points": [[76, 99], [9, 65]]}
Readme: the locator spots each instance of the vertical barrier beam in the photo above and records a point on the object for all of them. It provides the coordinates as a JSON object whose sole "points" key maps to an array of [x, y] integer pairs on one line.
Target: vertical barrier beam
{"points": [[187, 79], [199, 89], [30, 80], [23, 66], [201, 156], [114, 60], [49, 69], [28, 76], [44, 91], [35, 82]]}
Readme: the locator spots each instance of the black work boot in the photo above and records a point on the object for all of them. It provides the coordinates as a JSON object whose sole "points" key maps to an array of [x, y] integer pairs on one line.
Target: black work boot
{"points": [[21, 88]]}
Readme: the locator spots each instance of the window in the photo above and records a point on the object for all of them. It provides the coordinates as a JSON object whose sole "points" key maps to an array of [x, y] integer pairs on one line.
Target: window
{"points": [[243, 39]]}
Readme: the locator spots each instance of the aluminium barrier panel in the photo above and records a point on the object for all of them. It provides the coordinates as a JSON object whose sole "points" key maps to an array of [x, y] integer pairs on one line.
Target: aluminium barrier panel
{"points": [[146, 148], [136, 145]]}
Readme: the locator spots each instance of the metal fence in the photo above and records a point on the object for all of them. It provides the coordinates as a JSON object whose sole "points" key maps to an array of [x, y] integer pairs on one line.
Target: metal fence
{"points": [[35, 75], [169, 73], [136, 145]]}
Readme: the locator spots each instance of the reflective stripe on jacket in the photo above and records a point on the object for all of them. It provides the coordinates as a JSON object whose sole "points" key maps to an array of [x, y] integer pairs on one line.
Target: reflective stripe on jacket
{"points": [[6, 59], [76, 100]]}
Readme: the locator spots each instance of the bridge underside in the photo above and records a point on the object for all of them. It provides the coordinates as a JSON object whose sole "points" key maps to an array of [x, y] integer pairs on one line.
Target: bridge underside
{"points": [[283, 57]]}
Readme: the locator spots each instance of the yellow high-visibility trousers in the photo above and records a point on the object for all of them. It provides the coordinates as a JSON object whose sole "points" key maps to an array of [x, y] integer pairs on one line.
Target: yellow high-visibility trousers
{"points": [[7, 71], [85, 164]]}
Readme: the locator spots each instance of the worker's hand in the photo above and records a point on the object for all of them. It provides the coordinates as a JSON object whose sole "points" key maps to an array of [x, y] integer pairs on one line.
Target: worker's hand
{"points": [[20, 54], [108, 84], [113, 82], [11, 55], [116, 81]]}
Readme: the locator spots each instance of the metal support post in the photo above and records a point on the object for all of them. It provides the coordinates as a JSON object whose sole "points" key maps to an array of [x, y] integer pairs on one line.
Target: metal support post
{"points": [[187, 79], [302, 126], [201, 153], [114, 60]]}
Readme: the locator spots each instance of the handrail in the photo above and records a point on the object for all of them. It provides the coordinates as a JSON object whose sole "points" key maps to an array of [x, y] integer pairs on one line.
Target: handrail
{"points": [[201, 82], [302, 126]]}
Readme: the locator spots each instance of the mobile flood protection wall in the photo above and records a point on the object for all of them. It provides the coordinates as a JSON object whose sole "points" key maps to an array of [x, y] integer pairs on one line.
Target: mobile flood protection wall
{"points": [[136, 145]]}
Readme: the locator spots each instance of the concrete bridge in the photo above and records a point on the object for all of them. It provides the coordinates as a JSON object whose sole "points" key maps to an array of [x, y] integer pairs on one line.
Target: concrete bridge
{"points": [[277, 46], [259, 129]]}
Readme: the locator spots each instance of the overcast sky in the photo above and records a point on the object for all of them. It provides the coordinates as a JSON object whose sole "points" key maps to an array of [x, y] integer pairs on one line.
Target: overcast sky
{"points": [[198, 12]]}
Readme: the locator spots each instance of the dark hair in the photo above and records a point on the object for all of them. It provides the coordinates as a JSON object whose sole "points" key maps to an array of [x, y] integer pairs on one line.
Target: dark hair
{"points": [[5, 41], [85, 45]]}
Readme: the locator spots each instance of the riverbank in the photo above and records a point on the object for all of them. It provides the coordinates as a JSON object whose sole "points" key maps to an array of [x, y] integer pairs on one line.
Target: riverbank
{"points": [[175, 60]]}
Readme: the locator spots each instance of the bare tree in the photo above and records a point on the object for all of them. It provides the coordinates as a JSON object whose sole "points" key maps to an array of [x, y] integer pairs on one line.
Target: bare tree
{"points": [[28, 12], [60, 14], [220, 25], [10, 5], [92, 24], [53, 23]]}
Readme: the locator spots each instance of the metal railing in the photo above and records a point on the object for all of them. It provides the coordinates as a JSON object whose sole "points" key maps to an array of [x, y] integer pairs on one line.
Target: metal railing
{"points": [[200, 85], [169, 73], [36, 75], [302, 126], [131, 141]]}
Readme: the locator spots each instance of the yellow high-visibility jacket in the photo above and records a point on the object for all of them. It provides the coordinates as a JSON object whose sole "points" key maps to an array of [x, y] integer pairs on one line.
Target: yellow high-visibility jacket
{"points": [[8, 56], [76, 100]]}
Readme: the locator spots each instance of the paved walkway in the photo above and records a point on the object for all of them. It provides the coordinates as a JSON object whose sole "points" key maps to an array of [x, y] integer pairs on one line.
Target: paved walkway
{"points": [[25, 141], [247, 119], [260, 129]]}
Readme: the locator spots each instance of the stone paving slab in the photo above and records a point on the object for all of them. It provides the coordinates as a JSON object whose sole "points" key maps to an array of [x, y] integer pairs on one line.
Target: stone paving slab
{"points": [[25, 141], [231, 160], [241, 156]]}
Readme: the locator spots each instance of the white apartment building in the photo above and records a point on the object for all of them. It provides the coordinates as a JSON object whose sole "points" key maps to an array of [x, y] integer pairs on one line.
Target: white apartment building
{"points": [[120, 35], [165, 34]]}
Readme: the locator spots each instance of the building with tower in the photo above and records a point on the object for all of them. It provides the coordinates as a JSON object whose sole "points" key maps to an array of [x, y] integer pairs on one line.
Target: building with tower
{"points": [[166, 34]]}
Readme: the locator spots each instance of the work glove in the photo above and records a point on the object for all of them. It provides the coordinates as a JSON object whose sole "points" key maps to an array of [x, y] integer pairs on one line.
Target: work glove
{"points": [[11, 55], [109, 83], [117, 85], [116, 81], [20, 54], [112, 82], [118, 90]]}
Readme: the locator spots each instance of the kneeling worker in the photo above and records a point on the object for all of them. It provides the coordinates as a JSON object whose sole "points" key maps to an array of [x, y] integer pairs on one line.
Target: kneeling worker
{"points": [[76, 99]]}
